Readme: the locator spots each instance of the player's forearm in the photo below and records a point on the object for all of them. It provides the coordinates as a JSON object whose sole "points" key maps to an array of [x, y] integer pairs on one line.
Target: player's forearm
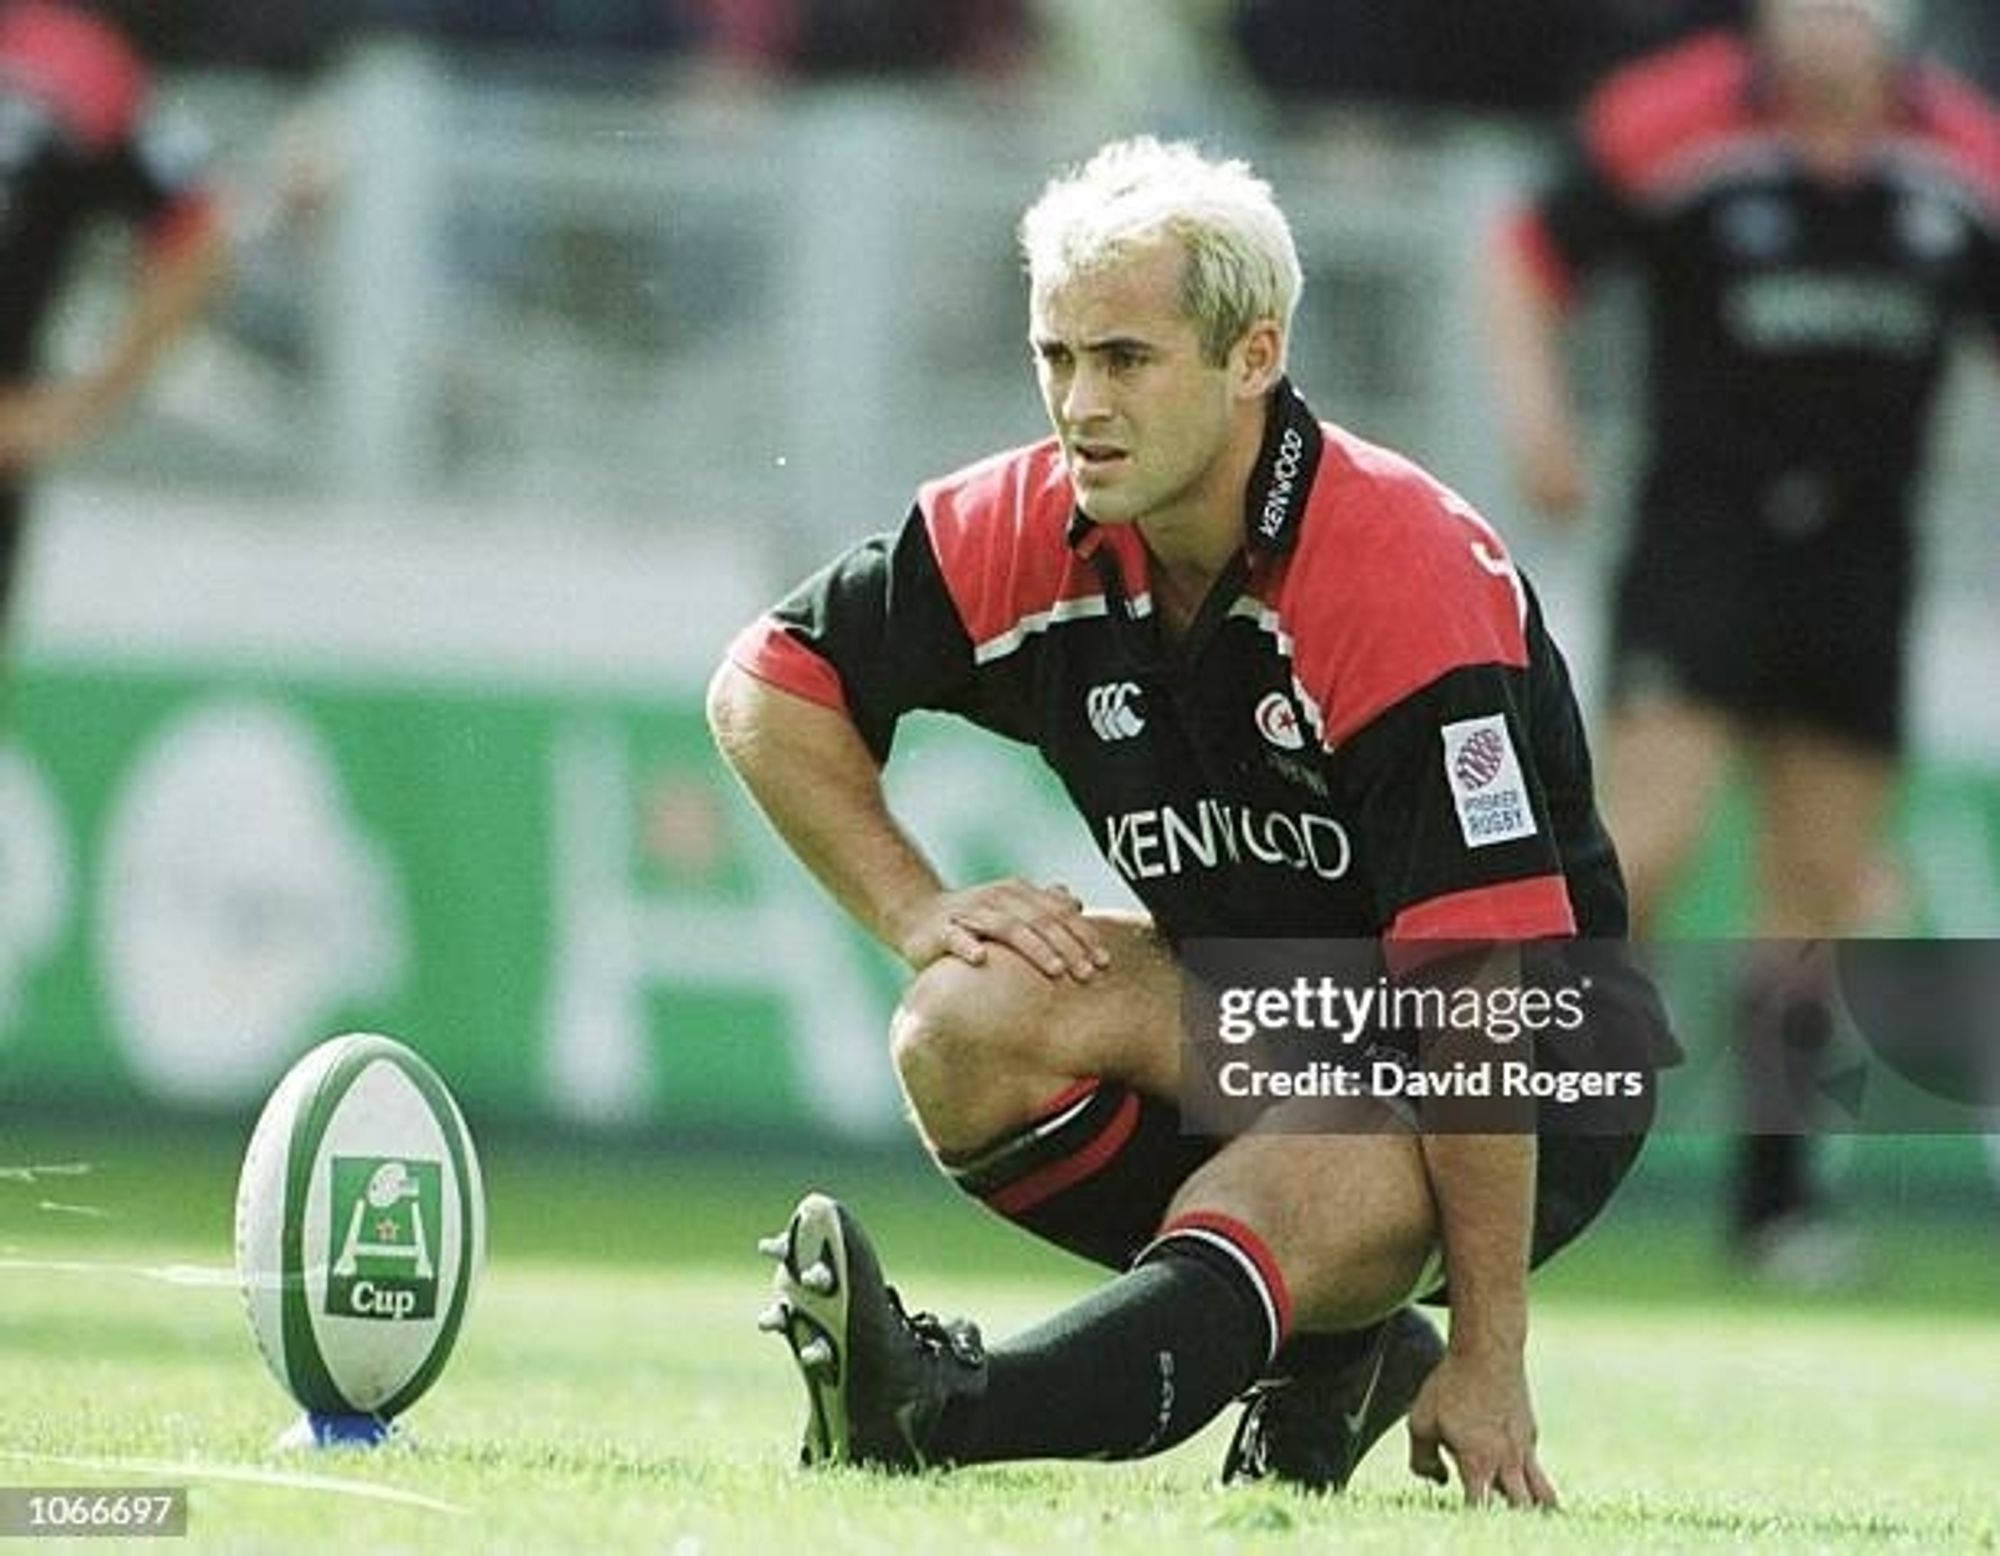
{"points": [[1480, 1157], [1485, 1191], [173, 286], [1524, 328], [806, 767]]}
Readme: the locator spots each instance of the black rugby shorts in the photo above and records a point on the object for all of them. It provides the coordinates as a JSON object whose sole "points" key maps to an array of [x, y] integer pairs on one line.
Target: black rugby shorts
{"points": [[1810, 633]]}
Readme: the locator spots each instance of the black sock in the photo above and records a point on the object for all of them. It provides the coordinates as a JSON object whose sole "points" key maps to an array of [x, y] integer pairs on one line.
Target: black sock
{"points": [[1773, 1180], [1137, 1366], [1321, 1353], [1786, 1023]]}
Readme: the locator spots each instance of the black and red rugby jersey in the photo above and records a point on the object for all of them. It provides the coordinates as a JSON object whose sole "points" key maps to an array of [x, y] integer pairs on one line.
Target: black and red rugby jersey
{"points": [[1365, 733], [1796, 323], [78, 139]]}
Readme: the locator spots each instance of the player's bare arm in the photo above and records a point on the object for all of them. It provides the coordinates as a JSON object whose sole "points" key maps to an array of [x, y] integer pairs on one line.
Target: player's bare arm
{"points": [[809, 771], [1524, 325], [175, 281], [1476, 1406]]}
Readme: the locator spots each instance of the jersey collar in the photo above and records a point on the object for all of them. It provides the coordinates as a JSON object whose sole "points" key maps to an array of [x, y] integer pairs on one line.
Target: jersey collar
{"points": [[1274, 503], [1274, 506]]}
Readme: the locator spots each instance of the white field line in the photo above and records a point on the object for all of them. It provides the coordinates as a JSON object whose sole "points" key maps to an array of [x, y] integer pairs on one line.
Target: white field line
{"points": [[247, 1474]]}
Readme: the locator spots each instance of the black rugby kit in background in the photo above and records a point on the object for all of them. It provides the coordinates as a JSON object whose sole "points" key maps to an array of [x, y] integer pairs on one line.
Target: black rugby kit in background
{"points": [[79, 140], [1797, 332]]}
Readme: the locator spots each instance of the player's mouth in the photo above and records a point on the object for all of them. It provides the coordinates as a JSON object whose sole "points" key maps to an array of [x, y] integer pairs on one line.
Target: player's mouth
{"points": [[1096, 458]]}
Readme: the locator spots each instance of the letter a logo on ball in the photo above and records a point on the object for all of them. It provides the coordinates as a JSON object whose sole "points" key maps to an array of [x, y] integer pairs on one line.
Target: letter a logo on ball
{"points": [[386, 1222]]}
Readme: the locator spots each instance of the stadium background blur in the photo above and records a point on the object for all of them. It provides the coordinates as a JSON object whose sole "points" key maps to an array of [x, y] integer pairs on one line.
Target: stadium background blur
{"points": [[357, 680]]}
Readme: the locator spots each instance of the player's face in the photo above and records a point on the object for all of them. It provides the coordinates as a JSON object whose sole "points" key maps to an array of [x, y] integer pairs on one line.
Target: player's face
{"points": [[1142, 415]]}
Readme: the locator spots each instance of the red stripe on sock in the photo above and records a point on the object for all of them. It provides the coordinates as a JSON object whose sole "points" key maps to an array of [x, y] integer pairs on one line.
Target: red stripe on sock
{"points": [[1049, 1181], [1253, 1248]]}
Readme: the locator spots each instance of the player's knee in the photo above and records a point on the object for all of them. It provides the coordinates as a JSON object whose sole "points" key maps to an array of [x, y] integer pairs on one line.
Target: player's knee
{"points": [[937, 1021], [1813, 892], [1652, 852], [957, 1042]]}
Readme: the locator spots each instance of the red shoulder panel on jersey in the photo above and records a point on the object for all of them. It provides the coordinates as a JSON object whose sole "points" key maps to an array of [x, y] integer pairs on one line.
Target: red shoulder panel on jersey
{"points": [[83, 69], [1960, 124], [766, 650], [1644, 124], [998, 529], [1537, 908], [1397, 581]]}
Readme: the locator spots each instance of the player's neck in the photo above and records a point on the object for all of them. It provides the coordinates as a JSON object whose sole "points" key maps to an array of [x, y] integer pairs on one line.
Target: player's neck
{"points": [[1203, 529], [1835, 123], [1195, 540]]}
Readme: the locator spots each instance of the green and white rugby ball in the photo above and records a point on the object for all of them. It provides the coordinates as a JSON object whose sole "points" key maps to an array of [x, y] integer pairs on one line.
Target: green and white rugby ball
{"points": [[360, 1227]]}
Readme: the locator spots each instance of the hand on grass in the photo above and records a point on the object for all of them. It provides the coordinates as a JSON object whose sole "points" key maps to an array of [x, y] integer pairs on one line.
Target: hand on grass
{"points": [[1477, 1410]]}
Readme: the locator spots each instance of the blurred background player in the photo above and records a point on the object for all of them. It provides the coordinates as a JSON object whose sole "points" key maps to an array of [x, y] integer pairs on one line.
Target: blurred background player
{"points": [[80, 140], [1812, 210]]}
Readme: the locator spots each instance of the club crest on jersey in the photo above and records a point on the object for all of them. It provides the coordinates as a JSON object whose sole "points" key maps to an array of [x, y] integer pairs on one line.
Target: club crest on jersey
{"points": [[1278, 722], [1113, 710], [1487, 786]]}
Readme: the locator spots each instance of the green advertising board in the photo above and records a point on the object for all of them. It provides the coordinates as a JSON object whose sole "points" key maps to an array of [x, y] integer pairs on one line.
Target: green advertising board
{"points": [[562, 901], [263, 784], [228, 833]]}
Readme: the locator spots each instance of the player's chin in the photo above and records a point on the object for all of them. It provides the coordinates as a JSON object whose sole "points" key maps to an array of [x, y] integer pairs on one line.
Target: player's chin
{"points": [[1103, 504]]}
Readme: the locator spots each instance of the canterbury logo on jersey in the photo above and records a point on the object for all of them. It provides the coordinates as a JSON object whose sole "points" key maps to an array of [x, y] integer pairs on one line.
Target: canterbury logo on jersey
{"points": [[1144, 845], [1113, 710]]}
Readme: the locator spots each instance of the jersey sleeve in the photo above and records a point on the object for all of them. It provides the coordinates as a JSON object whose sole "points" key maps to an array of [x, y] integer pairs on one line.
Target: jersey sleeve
{"points": [[1983, 180], [1454, 815], [1631, 139], [1957, 142], [159, 177], [1578, 222], [874, 634], [1416, 651]]}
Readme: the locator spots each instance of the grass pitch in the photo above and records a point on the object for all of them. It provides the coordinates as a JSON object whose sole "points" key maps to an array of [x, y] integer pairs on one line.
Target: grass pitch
{"points": [[611, 1395]]}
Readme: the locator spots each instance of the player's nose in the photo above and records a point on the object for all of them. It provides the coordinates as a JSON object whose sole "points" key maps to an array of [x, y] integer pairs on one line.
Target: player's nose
{"points": [[1084, 397]]}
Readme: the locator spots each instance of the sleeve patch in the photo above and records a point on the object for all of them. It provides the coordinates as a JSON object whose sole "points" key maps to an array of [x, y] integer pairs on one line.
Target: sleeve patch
{"points": [[1487, 786]]}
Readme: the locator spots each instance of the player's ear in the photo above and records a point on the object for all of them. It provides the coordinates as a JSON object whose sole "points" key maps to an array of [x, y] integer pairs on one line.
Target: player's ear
{"points": [[1257, 360]]}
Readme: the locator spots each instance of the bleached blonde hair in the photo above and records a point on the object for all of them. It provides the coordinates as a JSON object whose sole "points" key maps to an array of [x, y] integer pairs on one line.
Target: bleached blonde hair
{"points": [[1242, 264]]}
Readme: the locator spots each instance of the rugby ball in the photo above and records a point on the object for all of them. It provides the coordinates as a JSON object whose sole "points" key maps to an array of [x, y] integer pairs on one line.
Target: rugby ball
{"points": [[360, 1227]]}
